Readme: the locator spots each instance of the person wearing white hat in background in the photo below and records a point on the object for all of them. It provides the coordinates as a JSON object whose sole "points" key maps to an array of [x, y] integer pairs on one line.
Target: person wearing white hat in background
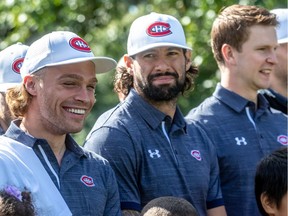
{"points": [[277, 93], [11, 59], [56, 95], [145, 138]]}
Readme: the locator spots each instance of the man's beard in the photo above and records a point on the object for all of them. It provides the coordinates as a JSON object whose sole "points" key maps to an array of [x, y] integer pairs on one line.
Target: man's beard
{"points": [[163, 92]]}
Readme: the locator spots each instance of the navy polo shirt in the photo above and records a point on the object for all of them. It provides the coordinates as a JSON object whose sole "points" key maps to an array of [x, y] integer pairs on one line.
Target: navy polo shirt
{"points": [[153, 155], [85, 180], [242, 135]]}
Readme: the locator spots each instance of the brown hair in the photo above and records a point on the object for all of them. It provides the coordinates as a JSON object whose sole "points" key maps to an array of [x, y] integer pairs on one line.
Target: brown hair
{"points": [[18, 100], [232, 26]]}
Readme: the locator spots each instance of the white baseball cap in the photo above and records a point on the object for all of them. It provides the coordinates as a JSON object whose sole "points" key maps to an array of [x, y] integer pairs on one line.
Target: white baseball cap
{"points": [[282, 28], [60, 48], [11, 60], [155, 30]]}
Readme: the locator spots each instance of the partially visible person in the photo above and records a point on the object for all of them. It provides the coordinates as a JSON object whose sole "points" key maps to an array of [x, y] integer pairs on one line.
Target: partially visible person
{"points": [[145, 138], [11, 59], [120, 88], [56, 95], [14, 202], [237, 119], [122, 74], [169, 206], [277, 93], [271, 184]]}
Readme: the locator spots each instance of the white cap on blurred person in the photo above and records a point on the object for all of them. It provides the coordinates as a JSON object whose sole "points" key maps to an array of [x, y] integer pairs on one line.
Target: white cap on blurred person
{"points": [[60, 48], [11, 60], [155, 30], [282, 28]]}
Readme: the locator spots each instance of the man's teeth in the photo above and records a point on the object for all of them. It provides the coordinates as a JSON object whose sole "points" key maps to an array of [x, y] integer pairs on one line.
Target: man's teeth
{"points": [[77, 111]]}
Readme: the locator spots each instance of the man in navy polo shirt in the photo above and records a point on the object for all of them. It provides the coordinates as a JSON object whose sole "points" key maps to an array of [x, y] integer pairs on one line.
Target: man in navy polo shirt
{"points": [[55, 97], [239, 121], [145, 138]]}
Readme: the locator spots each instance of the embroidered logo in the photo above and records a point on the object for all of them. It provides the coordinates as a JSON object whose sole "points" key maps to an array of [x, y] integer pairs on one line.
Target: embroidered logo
{"points": [[17, 64], [159, 29], [196, 154], [79, 44], [154, 154], [240, 141], [282, 139], [87, 180]]}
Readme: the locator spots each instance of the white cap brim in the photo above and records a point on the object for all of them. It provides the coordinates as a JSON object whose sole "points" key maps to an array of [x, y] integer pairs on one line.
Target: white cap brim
{"points": [[154, 45], [102, 64]]}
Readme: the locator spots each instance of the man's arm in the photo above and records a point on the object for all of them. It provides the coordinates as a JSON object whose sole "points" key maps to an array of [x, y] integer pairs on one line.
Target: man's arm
{"points": [[218, 211]]}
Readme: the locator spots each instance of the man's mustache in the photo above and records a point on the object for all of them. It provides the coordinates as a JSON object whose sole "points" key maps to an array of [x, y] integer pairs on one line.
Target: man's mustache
{"points": [[152, 76]]}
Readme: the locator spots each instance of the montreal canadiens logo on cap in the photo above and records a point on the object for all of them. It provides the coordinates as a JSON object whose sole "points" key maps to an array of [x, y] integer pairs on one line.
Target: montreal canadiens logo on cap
{"points": [[17, 64], [87, 180], [79, 44], [159, 29]]}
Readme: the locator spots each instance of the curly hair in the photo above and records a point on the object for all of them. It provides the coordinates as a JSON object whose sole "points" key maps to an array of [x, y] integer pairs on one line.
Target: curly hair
{"points": [[12, 206]]}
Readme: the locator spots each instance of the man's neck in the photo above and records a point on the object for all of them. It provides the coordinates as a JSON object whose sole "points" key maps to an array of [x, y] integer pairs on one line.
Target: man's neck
{"points": [[56, 142]]}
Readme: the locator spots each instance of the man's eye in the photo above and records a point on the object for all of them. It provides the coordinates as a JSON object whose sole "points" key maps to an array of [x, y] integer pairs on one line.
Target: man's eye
{"points": [[92, 87], [69, 83], [150, 55]]}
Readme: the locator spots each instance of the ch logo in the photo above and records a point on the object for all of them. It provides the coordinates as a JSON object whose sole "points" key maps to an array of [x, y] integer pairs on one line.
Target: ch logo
{"points": [[241, 141], [154, 154]]}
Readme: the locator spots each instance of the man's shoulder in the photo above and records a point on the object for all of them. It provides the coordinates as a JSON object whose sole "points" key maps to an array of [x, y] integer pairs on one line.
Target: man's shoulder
{"points": [[210, 106]]}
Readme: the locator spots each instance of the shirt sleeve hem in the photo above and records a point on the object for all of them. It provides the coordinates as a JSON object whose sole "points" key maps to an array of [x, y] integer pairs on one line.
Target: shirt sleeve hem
{"points": [[215, 203]]}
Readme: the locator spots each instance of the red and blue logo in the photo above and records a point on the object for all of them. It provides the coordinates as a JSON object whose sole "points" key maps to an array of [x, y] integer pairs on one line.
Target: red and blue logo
{"points": [[282, 139], [79, 44], [159, 29], [87, 180], [196, 154], [17, 64]]}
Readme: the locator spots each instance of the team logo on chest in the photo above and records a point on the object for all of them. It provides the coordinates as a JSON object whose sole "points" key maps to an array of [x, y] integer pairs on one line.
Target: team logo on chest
{"points": [[87, 180], [154, 154], [196, 154], [282, 139], [241, 141]]}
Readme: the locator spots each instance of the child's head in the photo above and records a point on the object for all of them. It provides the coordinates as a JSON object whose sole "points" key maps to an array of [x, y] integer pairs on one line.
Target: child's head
{"points": [[169, 206], [15, 203], [271, 183]]}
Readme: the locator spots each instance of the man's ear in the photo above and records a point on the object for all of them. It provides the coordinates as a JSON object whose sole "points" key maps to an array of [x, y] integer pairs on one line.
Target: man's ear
{"points": [[268, 205], [129, 63], [228, 53], [188, 56], [30, 84]]}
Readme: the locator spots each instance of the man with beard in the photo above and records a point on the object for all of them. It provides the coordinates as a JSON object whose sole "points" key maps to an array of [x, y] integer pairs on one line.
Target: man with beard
{"points": [[145, 138]]}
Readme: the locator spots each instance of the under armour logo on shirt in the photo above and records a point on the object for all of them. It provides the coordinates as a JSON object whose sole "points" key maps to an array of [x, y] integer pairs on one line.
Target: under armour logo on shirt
{"points": [[154, 154], [240, 141]]}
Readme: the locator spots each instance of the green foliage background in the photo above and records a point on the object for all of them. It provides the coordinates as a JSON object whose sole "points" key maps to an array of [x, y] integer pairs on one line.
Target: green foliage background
{"points": [[104, 24]]}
